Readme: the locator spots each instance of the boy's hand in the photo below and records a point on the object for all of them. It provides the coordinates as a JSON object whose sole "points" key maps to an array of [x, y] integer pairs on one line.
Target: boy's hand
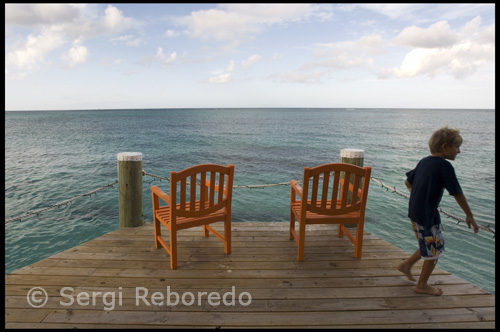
{"points": [[470, 221]]}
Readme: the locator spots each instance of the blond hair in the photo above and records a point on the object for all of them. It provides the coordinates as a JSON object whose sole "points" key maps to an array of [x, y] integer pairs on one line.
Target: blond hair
{"points": [[444, 135]]}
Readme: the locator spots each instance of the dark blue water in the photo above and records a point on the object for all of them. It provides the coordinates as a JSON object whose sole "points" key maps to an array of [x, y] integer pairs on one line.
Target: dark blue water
{"points": [[54, 156]]}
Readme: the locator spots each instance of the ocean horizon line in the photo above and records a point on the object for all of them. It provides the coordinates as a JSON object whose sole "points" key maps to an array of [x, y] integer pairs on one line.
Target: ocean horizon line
{"points": [[257, 108]]}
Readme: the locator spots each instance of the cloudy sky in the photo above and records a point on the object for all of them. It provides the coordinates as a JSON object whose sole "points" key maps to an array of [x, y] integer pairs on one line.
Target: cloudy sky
{"points": [[109, 56]]}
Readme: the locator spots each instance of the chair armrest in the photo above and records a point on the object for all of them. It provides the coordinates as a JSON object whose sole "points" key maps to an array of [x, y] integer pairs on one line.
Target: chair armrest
{"points": [[295, 187], [158, 192]]}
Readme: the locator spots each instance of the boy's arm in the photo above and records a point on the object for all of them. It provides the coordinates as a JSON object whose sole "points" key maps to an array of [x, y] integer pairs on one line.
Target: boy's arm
{"points": [[469, 218], [408, 185]]}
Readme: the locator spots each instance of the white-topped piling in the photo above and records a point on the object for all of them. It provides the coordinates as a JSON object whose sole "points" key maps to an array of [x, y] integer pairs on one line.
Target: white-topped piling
{"points": [[352, 156], [130, 189]]}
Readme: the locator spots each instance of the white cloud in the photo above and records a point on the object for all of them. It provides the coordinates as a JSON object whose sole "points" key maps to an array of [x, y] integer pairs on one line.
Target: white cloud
{"points": [[252, 60], [76, 55], [486, 36], [277, 13], [54, 26], [225, 76], [393, 11], [172, 33], [216, 24], [437, 35], [166, 60], [171, 58], [331, 57], [129, 40], [29, 15], [348, 54], [436, 50], [32, 54], [122, 38], [472, 26], [425, 13], [230, 66], [221, 78], [114, 20], [231, 23], [159, 53], [441, 51], [459, 61]]}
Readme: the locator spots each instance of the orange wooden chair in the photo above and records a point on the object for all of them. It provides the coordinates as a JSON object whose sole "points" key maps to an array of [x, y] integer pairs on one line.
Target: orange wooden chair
{"points": [[325, 198], [199, 195]]}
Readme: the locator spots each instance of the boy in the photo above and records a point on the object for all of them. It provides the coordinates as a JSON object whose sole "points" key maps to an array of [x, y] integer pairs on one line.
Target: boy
{"points": [[426, 184]]}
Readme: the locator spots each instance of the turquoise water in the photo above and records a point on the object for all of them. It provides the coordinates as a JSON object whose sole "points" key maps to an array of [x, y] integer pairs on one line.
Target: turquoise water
{"points": [[53, 156]]}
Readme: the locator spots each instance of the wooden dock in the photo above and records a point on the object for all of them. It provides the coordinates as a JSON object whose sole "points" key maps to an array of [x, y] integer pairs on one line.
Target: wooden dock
{"points": [[260, 284]]}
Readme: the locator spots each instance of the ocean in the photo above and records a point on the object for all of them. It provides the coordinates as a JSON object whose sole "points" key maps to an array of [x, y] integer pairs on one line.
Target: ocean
{"points": [[52, 156]]}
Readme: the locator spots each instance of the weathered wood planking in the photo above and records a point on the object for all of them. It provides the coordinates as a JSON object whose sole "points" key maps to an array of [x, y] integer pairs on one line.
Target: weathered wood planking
{"points": [[330, 289]]}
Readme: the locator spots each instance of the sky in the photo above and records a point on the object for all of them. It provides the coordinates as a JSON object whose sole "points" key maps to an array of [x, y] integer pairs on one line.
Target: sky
{"points": [[124, 56]]}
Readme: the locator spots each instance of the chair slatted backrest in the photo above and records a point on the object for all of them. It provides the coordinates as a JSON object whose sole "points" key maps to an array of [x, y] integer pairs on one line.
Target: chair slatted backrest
{"points": [[335, 189], [201, 190]]}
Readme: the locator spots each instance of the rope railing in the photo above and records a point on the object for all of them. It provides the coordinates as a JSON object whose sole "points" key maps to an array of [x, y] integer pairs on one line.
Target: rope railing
{"points": [[449, 215], [393, 189], [263, 185], [155, 176], [65, 202], [387, 187]]}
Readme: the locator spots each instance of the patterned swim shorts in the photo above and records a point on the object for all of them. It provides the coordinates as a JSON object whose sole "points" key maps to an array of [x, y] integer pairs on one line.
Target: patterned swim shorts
{"points": [[430, 241]]}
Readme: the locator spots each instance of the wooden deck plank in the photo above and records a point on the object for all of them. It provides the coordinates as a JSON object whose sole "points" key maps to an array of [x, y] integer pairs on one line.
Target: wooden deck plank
{"points": [[262, 304], [449, 325], [330, 289], [273, 319]]}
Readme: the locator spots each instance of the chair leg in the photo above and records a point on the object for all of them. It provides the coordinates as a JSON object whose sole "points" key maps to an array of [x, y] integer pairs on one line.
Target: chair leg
{"points": [[173, 249], [357, 251], [205, 231], [292, 224], [227, 236], [358, 246], [340, 232], [302, 238], [157, 233]]}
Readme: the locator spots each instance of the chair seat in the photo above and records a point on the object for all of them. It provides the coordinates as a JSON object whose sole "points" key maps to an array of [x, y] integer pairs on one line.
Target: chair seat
{"points": [[163, 214], [352, 217]]}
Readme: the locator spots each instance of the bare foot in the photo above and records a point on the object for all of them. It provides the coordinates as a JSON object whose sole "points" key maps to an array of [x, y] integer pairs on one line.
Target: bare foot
{"points": [[429, 290], [406, 271]]}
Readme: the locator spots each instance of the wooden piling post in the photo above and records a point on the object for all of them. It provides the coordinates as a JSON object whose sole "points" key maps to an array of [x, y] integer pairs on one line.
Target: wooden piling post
{"points": [[130, 189], [354, 157]]}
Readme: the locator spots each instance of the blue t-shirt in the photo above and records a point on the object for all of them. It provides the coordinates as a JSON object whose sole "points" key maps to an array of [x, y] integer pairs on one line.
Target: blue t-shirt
{"points": [[428, 180]]}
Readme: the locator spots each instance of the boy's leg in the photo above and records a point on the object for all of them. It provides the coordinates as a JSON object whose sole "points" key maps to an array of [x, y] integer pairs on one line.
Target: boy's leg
{"points": [[405, 266], [431, 245], [422, 286]]}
